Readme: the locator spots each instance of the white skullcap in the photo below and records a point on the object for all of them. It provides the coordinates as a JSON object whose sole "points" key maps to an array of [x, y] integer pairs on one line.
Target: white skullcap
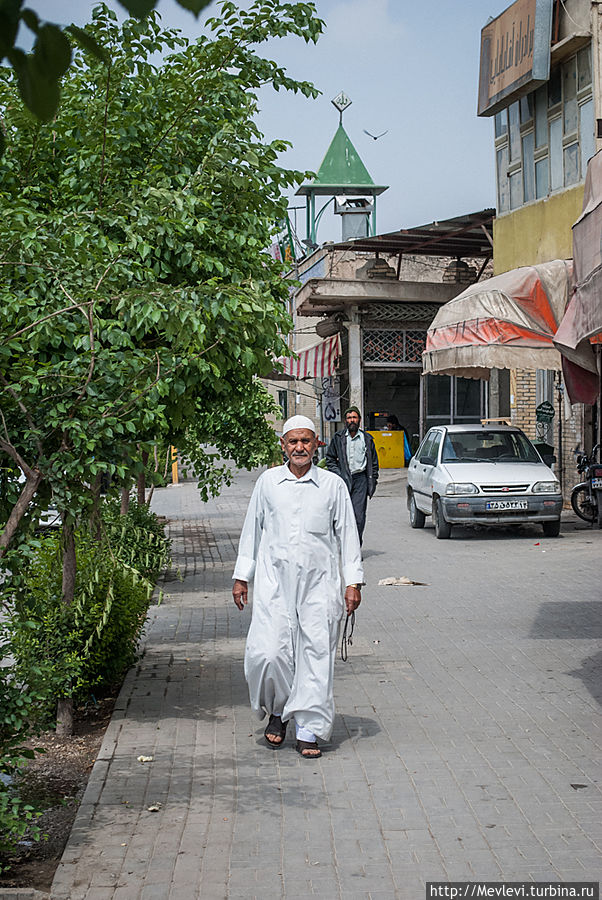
{"points": [[298, 422]]}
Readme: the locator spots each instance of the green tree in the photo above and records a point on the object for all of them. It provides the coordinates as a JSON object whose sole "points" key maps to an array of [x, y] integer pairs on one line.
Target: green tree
{"points": [[136, 299], [39, 73]]}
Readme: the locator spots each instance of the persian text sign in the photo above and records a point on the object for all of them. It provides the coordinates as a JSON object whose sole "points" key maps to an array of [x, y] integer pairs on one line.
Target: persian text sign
{"points": [[515, 54]]}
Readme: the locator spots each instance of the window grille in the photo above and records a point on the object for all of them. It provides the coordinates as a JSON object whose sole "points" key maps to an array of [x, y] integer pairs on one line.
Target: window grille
{"points": [[400, 312], [395, 346]]}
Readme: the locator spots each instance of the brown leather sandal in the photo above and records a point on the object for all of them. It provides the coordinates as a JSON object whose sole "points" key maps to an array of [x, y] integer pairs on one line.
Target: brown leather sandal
{"points": [[308, 745], [276, 728]]}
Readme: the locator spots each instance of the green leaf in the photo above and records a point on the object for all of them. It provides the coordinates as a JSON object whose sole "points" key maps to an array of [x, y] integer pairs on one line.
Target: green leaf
{"points": [[139, 8], [195, 6], [9, 24], [52, 52], [31, 19], [87, 42], [39, 95]]}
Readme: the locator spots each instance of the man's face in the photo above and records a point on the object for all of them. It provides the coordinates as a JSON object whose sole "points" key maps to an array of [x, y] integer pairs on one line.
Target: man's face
{"points": [[299, 444], [352, 420]]}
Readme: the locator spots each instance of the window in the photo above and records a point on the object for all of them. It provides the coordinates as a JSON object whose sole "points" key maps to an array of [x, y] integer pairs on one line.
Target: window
{"points": [[503, 188], [438, 397], [528, 167], [542, 178], [571, 164], [526, 108], [452, 399], [283, 403], [468, 400], [513, 119], [501, 123], [516, 190], [554, 88], [556, 175], [584, 68], [430, 446], [541, 117], [544, 140], [569, 92]]}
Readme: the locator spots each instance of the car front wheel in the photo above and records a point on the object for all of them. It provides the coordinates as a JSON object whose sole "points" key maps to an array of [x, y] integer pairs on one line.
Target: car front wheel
{"points": [[417, 517], [442, 527]]}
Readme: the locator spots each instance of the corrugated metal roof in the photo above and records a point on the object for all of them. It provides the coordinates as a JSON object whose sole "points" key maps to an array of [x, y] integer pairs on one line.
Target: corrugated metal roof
{"points": [[463, 236]]}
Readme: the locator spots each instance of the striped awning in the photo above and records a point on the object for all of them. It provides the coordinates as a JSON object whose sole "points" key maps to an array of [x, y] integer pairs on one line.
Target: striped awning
{"points": [[317, 361]]}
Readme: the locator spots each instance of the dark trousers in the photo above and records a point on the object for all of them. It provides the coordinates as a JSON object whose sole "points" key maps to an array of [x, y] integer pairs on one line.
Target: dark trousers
{"points": [[359, 500]]}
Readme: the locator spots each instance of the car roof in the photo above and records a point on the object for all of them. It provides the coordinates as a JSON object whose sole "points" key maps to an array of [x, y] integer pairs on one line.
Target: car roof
{"points": [[475, 427]]}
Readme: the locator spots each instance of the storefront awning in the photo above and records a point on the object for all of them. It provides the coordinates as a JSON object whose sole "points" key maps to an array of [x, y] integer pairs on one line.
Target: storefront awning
{"points": [[582, 322], [508, 321], [317, 361]]}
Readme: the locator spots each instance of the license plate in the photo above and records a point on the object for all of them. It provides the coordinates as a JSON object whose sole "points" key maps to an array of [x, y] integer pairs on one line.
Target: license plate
{"points": [[597, 483], [507, 504]]}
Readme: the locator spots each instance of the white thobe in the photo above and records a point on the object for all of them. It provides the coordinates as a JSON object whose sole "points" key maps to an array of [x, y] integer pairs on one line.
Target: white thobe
{"points": [[299, 535]]}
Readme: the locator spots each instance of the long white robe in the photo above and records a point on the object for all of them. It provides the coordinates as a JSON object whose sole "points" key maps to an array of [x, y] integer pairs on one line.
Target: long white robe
{"points": [[298, 535]]}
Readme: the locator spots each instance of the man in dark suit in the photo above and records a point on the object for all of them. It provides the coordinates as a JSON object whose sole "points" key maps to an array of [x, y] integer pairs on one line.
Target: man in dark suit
{"points": [[352, 455]]}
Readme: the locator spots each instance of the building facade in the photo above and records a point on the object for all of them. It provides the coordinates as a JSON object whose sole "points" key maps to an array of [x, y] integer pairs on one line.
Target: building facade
{"points": [[540, 82]]}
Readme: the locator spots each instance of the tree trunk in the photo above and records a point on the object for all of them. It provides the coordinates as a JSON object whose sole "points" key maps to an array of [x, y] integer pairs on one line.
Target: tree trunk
{"points": [[19, 509], [142, 480], [64, 717], [125, 499], [95, 519], [69, 562], [64, 711]]}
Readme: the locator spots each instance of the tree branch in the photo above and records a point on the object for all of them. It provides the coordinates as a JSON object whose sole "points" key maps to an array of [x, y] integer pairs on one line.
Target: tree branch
{"points": [[58, 312], [24, 410], [20, 507], [104, 138]]}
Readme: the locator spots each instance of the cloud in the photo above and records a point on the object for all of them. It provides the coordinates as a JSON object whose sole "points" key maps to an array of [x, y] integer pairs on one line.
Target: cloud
{"points": [[358, 24]]}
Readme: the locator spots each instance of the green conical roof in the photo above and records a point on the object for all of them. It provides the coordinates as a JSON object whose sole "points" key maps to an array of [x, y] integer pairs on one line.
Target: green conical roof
{"points": [[342, 164]]}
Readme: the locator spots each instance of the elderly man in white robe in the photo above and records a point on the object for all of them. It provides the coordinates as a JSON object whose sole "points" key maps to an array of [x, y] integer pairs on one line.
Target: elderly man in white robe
{"points": [[298, 537]]}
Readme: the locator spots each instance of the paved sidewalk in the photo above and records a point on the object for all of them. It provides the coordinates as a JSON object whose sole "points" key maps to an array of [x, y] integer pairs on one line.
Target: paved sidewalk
{"points": [[466, 745]]}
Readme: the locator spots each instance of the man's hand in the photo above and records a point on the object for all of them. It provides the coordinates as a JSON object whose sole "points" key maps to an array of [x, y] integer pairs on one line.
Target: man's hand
{"points": [[353, 598], [240, 592]]}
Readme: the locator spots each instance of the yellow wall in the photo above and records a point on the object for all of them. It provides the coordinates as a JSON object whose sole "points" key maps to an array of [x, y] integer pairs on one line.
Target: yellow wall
{"points": [[538, 232]]}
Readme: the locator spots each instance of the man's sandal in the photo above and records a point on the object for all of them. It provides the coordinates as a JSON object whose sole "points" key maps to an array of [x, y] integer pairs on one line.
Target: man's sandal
{"points": [[275, 728], [302, 746]]}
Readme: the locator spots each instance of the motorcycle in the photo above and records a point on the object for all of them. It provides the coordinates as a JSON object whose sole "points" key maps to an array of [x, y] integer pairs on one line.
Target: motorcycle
{"points": [[586, 497]]}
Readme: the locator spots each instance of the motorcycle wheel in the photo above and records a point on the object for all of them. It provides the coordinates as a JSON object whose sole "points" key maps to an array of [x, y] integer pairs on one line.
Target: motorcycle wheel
{"points": [[581, 503]]}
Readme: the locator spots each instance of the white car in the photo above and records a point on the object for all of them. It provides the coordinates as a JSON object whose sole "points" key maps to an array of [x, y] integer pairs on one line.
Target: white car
{"points": [[481, 474]]}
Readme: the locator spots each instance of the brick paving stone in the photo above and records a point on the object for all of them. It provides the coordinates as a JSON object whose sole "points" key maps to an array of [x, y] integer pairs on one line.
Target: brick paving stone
{"points": [[465, 713]]}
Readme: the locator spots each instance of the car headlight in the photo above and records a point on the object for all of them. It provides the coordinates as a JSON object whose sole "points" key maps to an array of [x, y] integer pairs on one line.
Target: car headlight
{"points": [[461, 488], [546, 487]]}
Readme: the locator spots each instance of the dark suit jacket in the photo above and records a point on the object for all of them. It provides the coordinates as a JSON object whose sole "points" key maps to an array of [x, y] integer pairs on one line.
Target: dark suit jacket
{"points": [[336, 459]]}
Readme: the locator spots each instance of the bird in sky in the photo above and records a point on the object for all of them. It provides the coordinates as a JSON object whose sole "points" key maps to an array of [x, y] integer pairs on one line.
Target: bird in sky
{"points": [[375, 137]]}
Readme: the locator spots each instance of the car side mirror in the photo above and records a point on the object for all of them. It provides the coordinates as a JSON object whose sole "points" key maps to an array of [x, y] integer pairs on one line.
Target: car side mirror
{"points": [[427, 460], [549, 459]]}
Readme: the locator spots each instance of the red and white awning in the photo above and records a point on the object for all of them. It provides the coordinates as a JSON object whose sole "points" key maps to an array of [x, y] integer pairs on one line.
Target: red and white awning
{"points": [[317, 361]]}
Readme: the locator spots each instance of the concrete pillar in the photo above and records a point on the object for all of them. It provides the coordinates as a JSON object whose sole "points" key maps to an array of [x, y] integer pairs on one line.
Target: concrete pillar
{"points": [[356, 380]]}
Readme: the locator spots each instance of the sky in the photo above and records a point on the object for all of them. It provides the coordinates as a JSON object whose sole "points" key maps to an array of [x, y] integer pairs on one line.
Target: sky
{"points": [[410, 68]]}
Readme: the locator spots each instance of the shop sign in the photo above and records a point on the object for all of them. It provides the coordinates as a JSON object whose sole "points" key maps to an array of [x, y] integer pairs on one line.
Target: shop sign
{"points": [[544, 412], [515, 54], [331, 398]]}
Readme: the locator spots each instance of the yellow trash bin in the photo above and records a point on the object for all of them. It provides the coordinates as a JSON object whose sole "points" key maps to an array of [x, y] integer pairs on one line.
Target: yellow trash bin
{"points": [[390, 448]]}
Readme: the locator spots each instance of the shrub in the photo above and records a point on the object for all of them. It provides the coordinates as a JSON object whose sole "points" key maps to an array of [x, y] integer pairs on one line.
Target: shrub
{"points": [[68, 650], [19, 714]]}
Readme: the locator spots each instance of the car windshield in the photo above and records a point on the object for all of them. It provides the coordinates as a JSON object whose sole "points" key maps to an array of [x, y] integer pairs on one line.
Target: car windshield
{"points": [[488, 446]]}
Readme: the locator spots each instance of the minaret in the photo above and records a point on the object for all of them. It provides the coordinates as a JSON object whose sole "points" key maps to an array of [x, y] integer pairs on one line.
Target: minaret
{"points": [[344, 178]]}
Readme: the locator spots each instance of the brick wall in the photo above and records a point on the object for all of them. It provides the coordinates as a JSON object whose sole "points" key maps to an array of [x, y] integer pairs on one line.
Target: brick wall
{"points": [[522, 407]]}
